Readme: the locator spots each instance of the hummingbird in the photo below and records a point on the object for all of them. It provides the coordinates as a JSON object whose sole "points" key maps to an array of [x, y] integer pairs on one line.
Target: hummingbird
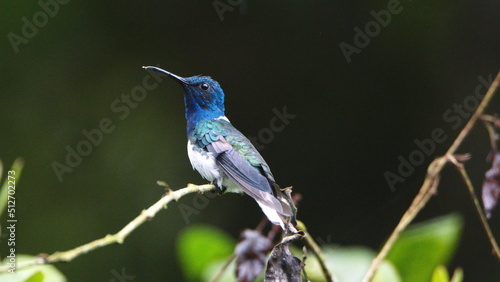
{"points": [[223, 155]]}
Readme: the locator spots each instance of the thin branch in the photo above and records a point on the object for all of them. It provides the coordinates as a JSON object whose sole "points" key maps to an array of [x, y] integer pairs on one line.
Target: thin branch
{"points": [[431, 182], [479, 111], [426, 191], [479, 210], [221, 271], [146, 215], [316, 251]]}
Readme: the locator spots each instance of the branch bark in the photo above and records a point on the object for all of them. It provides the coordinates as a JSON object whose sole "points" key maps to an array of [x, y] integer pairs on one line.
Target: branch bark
{"points": [[119, 237]]}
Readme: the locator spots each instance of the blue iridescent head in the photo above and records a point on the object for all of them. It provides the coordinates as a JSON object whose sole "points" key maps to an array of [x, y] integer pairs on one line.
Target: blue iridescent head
{"points": [[203, 96]]}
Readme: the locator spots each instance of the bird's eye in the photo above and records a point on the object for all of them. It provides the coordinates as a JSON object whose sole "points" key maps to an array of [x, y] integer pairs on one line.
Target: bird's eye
{"points": [[204, 86]]}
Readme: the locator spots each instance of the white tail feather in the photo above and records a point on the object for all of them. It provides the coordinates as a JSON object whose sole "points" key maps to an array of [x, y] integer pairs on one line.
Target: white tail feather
{"points": [[272, 215]]}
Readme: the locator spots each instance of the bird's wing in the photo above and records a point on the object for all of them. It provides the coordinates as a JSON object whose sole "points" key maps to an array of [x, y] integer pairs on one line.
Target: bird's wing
{"points": [[244, 175], [244, 166]]}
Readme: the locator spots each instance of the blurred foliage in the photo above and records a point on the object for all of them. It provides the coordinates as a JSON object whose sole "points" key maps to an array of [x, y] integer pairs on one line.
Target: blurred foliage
{"points": [[39, 273], [350, 264], [199, 246], [424, 246], [17, 167], [440, 274], [418, 255], [228, 276]]}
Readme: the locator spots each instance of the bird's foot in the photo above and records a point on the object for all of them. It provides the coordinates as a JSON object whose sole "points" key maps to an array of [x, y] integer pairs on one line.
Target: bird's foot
{"points": [[218, 189]]}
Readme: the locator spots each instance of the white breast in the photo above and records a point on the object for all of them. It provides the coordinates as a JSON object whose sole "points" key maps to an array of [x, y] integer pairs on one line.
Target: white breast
{"points": [[204, 163]]}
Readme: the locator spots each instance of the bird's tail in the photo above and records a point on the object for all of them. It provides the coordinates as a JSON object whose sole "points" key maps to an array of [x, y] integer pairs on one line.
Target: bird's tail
{"points": [[273, 215], [287, 215]]}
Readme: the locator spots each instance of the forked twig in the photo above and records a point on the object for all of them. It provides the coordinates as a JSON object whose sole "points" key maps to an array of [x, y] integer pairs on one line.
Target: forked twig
{"points": [[431, 182], [479, 209], [316, 250]]}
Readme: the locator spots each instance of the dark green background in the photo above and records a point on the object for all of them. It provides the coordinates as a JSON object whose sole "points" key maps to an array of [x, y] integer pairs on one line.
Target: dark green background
{"points": [[353, 120]]}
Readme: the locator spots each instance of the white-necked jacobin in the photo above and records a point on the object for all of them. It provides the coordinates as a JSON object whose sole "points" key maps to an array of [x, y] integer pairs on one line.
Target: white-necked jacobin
{"points": [[222, 154]]}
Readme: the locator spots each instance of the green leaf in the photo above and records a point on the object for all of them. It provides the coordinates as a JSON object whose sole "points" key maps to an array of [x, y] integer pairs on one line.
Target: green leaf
{"points": [[387, 272], [423, 246], [201, 245], [37, 277], [17, 167], [440, 274], [349, 264], [38, 273]]}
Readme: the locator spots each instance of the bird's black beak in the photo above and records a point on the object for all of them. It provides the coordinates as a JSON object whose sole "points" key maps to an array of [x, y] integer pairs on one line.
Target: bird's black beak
{"points": [[176, 77]]}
